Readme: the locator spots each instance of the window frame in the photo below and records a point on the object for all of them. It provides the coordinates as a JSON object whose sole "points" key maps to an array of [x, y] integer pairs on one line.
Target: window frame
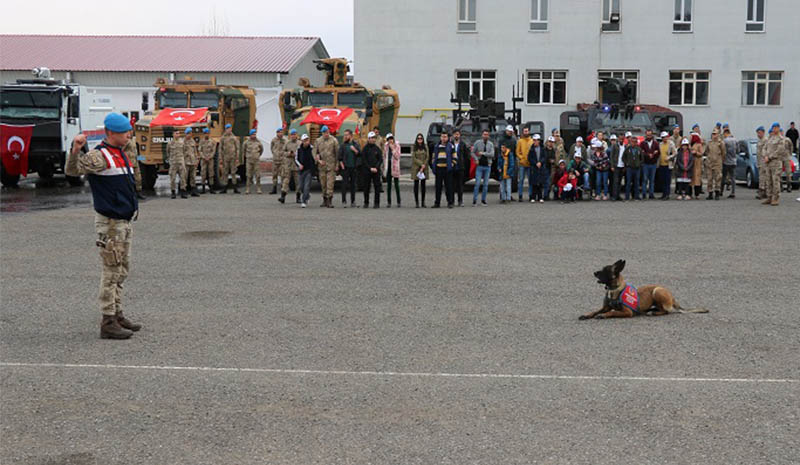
{"points": [[466, 14], [693, 80], [538, 20], [766, 81], [606, 13], [613, 71], [472, 80], [690, 22], [551, 80], [755, 21]]}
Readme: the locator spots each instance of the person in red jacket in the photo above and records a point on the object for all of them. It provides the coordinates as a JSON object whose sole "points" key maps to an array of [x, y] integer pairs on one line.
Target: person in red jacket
{"points": [[567, 186]]}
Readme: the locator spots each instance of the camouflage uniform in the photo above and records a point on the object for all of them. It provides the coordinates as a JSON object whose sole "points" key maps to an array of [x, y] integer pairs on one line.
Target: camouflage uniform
{"points": [[289, 166], [326, 150], [190, 160], [715, 151], [229, 147], [252, 155], [207, 149], [177, 166], [133, 159], [774, 152], [277, 146]]}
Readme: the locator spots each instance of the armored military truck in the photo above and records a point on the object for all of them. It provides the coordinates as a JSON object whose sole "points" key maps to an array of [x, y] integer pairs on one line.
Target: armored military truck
{"points": [[338, 104], [235, 105]]}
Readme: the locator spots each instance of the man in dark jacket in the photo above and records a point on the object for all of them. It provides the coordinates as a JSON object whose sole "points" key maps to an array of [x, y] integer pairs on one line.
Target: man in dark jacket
{"points": [[651, 153], [617, 166], [444, 162], [462, 151], [793, 135], [372, 159], [305, 164], [548, 166], [349, 163], [633, 158]]}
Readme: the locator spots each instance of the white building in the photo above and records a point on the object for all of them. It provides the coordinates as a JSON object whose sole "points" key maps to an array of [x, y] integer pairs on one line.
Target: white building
{"points": [[733, 61], [117, 70]]}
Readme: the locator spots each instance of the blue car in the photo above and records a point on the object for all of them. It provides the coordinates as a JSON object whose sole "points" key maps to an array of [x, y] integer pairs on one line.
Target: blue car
{"points": [[747, 165]]}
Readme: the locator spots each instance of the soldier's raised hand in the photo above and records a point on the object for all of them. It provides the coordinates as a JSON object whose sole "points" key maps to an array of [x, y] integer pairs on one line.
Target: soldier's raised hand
{"points": [[78, 143]]}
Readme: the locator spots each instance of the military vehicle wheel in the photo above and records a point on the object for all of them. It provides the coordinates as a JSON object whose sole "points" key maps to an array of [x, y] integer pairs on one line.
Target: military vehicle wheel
{"points": [[75, 181], [8, 180], [149, 176], [45, 173], [750, 181]]}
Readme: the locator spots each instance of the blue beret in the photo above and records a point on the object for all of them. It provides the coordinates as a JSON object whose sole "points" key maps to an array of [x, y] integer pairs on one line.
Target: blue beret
{"points": [[324, 129], [115, 122], [726, 125], [279, 130], [760, 128], [188, 131], [252, 131], [227, 126], [775, 125], [675, 127], [205, 130], [695, 126], [718, 123], [293, 131]]}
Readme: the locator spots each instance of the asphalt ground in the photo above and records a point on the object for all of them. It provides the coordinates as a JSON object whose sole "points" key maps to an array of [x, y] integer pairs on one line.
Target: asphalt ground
{"points": [[274, 334]]}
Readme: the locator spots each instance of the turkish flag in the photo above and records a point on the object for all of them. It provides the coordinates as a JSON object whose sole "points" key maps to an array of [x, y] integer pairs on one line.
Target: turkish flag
{"points": [[14, 144], [179, 116], [331, 117]]}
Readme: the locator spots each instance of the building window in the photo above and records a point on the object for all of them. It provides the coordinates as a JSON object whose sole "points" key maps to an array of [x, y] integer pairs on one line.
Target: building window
{"points": [[682, 21], [761, 88], [610, 15], [689, 87], [630, 76], [481, 84], [755, 16], [539, 15], [547, 88], [466, 16]]}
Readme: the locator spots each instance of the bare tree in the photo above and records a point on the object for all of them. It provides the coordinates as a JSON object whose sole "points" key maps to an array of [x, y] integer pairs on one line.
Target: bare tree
{"points": [[217, 24]]}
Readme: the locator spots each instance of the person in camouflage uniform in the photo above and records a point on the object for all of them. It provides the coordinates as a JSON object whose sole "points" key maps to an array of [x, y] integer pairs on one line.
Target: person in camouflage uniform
{"points": [[774, 153], [762, 169], [253, 148], [190, 157], [229, 147], [207, 149], [715, 151], [177, 165], [290, 167], [133, 156], [326, 153], [277, 147]]}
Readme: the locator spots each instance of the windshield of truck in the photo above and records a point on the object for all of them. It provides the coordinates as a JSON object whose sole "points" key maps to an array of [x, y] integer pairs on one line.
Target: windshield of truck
{"points": [[208, 100], [170, 99], [639, 120], [320, 99], [353, 100], [22, 104]]}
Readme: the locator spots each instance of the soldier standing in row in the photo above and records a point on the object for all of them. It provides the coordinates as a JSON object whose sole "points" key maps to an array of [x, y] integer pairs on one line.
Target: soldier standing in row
{"points": [[133, 157], [715, 151], [114, 197], [190, 160], [326, 152], [253, 148], [277, 147], [290, 167], [762, 169], [177, 166], [774, 153], [229, 151], [207, 148]]}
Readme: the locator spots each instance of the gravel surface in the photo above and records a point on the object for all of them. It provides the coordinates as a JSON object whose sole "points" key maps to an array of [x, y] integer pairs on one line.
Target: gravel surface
{"points": [[382, 305]]}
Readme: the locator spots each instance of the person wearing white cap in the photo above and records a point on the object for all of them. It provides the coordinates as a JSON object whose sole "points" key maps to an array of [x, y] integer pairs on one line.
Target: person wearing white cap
{"points": [[373, 159], [616, 166], [578, 146], [536, 158], [666, 160], [632, 157], [684, 164], [548, 167], [305, 164], [580, 169], [650, 151], [601, 166]]}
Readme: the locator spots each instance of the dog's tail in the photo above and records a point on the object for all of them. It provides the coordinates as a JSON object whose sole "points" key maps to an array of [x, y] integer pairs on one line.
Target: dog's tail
{"points": [[679, 309]]}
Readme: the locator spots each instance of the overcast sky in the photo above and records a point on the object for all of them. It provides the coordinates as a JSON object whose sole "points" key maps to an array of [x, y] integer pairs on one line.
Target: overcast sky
{"points": [[330, 20]]}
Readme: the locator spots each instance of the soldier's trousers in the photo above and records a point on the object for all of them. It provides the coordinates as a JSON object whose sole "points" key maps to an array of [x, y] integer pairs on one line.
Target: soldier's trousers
{"points": [[137, 175], [177, 169], [762, 177], [190, 177], [787, 168], [207, 172], [253, 169], [773, 175], [229, 165], [327, 177], [114, 239], [287, 175], [277, 171], [729, 174], [714, 177]]}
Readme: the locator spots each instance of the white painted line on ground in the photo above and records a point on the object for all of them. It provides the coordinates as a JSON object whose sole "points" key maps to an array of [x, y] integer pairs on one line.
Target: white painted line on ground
{"points": [[398, 374]]}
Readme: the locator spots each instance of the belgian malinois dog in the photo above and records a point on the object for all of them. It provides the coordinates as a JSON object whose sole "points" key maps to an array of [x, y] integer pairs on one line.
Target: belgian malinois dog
{"points": [[624, 301]]}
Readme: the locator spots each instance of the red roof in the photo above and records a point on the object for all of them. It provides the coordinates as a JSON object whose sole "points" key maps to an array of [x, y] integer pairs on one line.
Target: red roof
{"points": [[155, 53]]}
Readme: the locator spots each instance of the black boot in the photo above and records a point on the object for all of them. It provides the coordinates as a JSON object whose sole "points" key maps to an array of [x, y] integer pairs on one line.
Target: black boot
{"points": [[111, 329], [710, 196], [297, 199], [274, 190], [717, 195], [283, 198], [126, 323], [235, 190], [225, 189], [194, 192], [204, 188], [173, 194], [211, 189], [140, 196], [183, 194]]}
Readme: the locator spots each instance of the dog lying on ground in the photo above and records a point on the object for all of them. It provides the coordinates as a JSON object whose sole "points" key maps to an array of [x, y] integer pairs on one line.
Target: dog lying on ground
{"points": [[624, 301]]}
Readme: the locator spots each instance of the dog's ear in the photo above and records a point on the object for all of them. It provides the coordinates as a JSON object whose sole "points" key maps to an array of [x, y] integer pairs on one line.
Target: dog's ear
{"points": [[619, 266]]}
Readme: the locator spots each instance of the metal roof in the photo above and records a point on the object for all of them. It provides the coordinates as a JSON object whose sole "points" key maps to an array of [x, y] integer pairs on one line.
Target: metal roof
{"points": [[156, 53]]}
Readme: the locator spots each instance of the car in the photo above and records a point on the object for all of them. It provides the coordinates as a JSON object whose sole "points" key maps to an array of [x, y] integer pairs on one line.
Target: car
{"points": [[747, 164]]}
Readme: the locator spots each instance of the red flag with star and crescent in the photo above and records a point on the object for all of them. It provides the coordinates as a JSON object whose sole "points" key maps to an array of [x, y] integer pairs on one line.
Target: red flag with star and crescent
{"points": [[331, 117], [15, 142], [179, 116]]}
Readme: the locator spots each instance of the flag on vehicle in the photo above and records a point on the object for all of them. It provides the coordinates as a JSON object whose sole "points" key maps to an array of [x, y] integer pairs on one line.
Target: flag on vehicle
{"points": [[179, 116], [331, 117], [14, 146]]}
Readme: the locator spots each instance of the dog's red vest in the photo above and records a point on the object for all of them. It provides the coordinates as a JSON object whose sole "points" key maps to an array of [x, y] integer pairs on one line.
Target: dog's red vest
{"points": [[630, 298]]}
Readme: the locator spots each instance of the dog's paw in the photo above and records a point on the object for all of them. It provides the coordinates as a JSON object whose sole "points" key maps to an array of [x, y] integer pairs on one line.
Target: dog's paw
{"points": [[583, 317], [600, 316]]}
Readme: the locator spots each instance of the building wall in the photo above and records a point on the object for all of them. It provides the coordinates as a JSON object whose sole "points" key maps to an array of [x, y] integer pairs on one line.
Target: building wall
{"points": [[417, 49]]}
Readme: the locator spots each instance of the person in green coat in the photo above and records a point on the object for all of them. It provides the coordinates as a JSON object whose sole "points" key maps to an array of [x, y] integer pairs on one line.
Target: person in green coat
{"points": [[419, 167]]}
